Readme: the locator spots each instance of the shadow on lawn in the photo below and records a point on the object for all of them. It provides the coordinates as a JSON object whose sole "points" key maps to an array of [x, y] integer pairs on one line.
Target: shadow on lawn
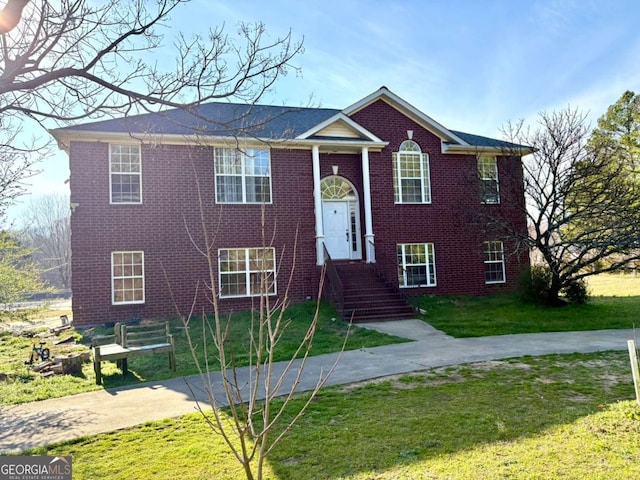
{"points": [[374, 428], [328, 339]]}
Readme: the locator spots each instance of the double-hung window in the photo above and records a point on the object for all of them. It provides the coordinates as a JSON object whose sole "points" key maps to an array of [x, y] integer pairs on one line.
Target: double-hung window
{"points": [[488, 175], [125, 174], [494, 262], [416, 265], [127, 277], [247, 272], [411, 181], [242, 176]]}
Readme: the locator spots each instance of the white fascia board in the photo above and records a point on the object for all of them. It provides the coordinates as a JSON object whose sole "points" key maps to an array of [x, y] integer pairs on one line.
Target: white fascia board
{"points": [[474, 150], [383, 93], [64, 138], [330, 143], [335, 118]]}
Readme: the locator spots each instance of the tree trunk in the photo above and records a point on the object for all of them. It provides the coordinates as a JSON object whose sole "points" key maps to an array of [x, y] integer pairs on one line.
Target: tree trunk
{"points": [[553, 295]]}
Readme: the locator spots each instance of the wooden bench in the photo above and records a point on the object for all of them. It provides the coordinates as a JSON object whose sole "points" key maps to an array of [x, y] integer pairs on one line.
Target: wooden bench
{"points": [[132, 341]]}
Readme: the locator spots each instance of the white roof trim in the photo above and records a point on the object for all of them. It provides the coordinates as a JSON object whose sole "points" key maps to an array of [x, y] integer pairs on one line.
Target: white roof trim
{"points": [[339, 117], [474, 150], [383, 93], [65, 136]]}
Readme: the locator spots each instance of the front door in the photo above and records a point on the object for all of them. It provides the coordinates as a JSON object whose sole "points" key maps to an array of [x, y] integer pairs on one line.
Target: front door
{"points": [[337, 228]]}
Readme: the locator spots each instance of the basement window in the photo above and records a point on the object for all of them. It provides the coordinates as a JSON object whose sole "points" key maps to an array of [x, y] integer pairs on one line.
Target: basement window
{"points": [[416, 265], [247, 272], [494, 262], [127, 277]]}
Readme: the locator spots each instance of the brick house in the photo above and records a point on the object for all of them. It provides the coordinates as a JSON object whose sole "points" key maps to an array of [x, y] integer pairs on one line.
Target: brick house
{"points": [[389, 195]]}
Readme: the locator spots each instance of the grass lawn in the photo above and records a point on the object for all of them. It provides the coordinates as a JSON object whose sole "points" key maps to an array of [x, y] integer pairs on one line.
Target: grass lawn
{"points": [[546, 417], [505, 314], [19, 384]]}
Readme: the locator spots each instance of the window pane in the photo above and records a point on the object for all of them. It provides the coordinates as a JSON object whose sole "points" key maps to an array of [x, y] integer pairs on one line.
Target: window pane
{"points": [[416, 275], [411, 191], [227, 161], [125, 188], [416, 265], [233, 284], [494, 262], [257, 162], [488, 175], [258, 190], [411, 174], [241, 271], [125, 169], [489, 191], [262, 281], [128, 277], [229, 189], [242, 177]]}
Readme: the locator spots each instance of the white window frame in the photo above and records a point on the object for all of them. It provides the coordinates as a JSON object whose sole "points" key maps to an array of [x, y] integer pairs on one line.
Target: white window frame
{"points": [[133, 276], [243, 174], [488, 174], [410, 149], [247, 270], [130, 173], [403, 254], [494, 255]]}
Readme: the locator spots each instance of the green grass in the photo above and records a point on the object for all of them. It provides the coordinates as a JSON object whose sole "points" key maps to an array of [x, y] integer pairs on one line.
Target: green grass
{"points": [[535, 417], [19, 384], [618, 285], [505, 314]]}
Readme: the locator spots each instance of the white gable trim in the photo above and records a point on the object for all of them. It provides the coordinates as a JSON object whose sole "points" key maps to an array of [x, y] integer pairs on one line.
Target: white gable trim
{"points": [[384, 94], [340, 117]]}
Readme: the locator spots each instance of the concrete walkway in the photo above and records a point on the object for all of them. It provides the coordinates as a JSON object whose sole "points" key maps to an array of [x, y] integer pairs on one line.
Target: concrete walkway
{"points": [[40, 423]]}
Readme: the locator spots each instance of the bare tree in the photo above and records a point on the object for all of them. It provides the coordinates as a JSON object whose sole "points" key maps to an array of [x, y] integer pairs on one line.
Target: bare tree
{"points": [[247, 410], [75, 59], [47, 232], [19, 157], [581, 205]]}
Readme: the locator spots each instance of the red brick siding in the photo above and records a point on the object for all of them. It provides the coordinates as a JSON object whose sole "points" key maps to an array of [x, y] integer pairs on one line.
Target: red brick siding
{"points": [[448, 222], [161, 226]]}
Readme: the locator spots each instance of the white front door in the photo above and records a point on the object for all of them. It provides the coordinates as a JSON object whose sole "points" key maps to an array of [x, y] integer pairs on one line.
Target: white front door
{"points": [[337, 229]]}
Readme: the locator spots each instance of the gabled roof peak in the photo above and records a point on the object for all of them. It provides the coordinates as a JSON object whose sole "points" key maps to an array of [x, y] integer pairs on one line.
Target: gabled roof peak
{"points": [[386, 95]]}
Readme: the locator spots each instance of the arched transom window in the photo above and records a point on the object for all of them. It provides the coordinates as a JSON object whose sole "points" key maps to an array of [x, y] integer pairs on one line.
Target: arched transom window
{"points": [[337, 188], [411, 174]]}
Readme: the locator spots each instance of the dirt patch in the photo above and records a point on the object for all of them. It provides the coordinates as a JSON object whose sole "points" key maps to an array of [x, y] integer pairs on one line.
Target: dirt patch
{"points": [[434, 376]]}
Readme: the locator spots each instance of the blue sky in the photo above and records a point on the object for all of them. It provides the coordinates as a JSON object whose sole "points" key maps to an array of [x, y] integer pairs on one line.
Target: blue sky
{"points": [[472, 65]]}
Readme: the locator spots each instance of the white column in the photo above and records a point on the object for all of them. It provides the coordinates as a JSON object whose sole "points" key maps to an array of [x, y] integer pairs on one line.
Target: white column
{"points": [[368, 220], [317, 203]]}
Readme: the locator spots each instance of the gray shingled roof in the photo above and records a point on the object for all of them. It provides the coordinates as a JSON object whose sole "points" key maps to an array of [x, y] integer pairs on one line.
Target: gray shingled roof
{"points": [[224, 119], [479, 141], [262, 121]]}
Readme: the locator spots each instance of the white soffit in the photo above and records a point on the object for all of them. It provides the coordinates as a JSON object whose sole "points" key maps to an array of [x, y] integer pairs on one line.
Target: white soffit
{"points": [[339, 126]]}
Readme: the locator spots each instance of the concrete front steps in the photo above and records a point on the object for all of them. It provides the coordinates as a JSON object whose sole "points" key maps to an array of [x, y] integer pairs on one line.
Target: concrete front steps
{"points": [[367, 298]]}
